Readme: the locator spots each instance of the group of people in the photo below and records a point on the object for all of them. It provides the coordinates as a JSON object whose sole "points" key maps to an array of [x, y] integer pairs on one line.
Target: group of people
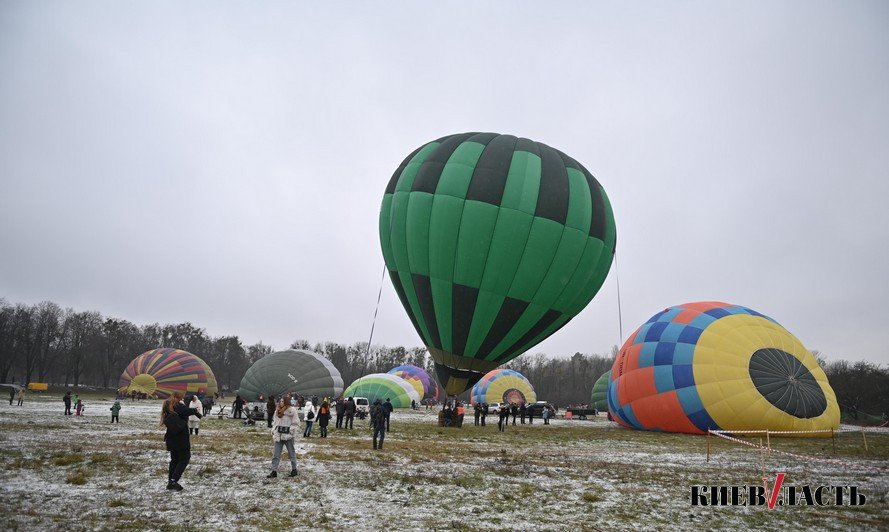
{"points": [[520, 410], [20, 395], [69, 400]]}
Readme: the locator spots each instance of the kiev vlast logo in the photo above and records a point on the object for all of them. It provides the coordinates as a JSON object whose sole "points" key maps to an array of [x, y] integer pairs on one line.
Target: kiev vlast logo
{"points": [[778, 495]]}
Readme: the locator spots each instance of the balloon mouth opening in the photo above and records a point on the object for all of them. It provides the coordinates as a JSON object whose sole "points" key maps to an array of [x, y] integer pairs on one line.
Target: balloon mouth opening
{"points": [[513, 396], [143, 383]]}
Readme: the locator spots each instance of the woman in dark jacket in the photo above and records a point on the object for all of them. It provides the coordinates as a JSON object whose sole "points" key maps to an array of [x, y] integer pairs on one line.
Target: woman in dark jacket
{"points": [[324, 418], [174, 417]]}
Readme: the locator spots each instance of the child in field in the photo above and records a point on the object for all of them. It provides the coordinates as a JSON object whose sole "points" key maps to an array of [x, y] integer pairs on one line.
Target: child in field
{"points": [[115, 412], [78, 410]]}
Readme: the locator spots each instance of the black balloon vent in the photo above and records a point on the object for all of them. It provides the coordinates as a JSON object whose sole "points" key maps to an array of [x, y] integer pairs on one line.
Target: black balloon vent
{"points": [[786, 383]]}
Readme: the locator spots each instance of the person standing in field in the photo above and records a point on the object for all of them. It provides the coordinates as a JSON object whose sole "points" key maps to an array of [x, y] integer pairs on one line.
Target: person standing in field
{"points": [[514, 410], [503, 418], [350, 413], [378, 422], [174, 416], [284, 425], [309, 414], [66, 400], [115, 412], [323, 418], [194, 421], [340, 413], [270, 410], [387, 411], [78, 409], [238, 406], [478, 412], [21, 396]]}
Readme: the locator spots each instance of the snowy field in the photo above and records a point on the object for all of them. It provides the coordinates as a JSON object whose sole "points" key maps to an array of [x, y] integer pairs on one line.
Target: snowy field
{"points": [[79, 473]]}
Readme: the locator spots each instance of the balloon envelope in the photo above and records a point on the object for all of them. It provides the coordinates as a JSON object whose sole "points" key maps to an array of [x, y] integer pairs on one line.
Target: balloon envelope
{"points": [[713, 365], [419, 379], [297, 371], [160, 372], [384, 386], [598, 399], [492, 243], [503, 386]]}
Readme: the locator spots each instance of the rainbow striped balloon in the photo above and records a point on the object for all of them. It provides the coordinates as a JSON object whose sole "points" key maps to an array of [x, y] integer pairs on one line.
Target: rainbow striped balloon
{"points": [[419, 379], [160, 372]]}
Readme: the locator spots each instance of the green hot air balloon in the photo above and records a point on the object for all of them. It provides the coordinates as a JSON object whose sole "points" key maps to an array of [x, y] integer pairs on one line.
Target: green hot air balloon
{"points": [[598, 397], [493, 243]]}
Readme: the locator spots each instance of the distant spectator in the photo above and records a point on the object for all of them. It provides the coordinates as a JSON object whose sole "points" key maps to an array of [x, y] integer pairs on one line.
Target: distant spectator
{"points": [[378, 422], [115, 412], [67, 401], [21, 396], [387, 411], [78, 410], [194, 420], [350, 413], [270, 410], [323, 418], [309, 413], [340, 413], [523, 410]]}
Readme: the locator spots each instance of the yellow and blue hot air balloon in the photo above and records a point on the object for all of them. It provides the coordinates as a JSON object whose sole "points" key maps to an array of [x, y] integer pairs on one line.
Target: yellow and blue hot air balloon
{"points": [[503, 386], [712, 365]]}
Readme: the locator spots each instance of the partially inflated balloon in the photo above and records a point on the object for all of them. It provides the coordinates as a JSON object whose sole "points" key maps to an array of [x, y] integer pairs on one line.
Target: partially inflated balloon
{"points": [[384, 386], [598, 399], [294, 370], [503, 386], [160, 372], [713, 365], [419, 379], [492, 243]]}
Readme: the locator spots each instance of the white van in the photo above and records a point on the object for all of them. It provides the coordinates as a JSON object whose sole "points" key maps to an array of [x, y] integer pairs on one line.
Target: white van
{"points": [[362, 406]]}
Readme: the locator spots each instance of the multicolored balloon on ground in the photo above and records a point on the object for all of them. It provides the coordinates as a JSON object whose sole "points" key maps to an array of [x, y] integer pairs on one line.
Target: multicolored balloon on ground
{"points": [[712, 365], [160, 372], [419, 379], [296, 371], [492, 243], [384, 386], [598, 396], [503, 386]]}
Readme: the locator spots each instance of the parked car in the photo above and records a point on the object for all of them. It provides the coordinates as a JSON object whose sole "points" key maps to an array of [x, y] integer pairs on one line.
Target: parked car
{"points": [[537, 408], [362, 406], [494, 408]]}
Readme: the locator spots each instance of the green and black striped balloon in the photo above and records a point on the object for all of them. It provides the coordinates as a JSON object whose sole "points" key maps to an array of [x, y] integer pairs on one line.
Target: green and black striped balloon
{"points": [[493, 243]]}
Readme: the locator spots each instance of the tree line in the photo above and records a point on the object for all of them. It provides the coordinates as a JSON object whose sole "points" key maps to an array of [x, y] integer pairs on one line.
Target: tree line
{"points": [[46, 343]]}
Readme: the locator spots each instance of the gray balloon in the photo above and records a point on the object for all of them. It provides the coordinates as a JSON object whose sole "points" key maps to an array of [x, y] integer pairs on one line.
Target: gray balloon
{"points": [[293, 370]]}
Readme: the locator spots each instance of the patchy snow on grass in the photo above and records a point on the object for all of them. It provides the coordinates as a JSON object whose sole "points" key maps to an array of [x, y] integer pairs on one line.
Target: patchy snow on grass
{"points": [[71, 473]]}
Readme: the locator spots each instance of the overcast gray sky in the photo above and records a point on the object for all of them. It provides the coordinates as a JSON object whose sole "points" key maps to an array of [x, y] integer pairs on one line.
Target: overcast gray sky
{"points": [[224, 162]]}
